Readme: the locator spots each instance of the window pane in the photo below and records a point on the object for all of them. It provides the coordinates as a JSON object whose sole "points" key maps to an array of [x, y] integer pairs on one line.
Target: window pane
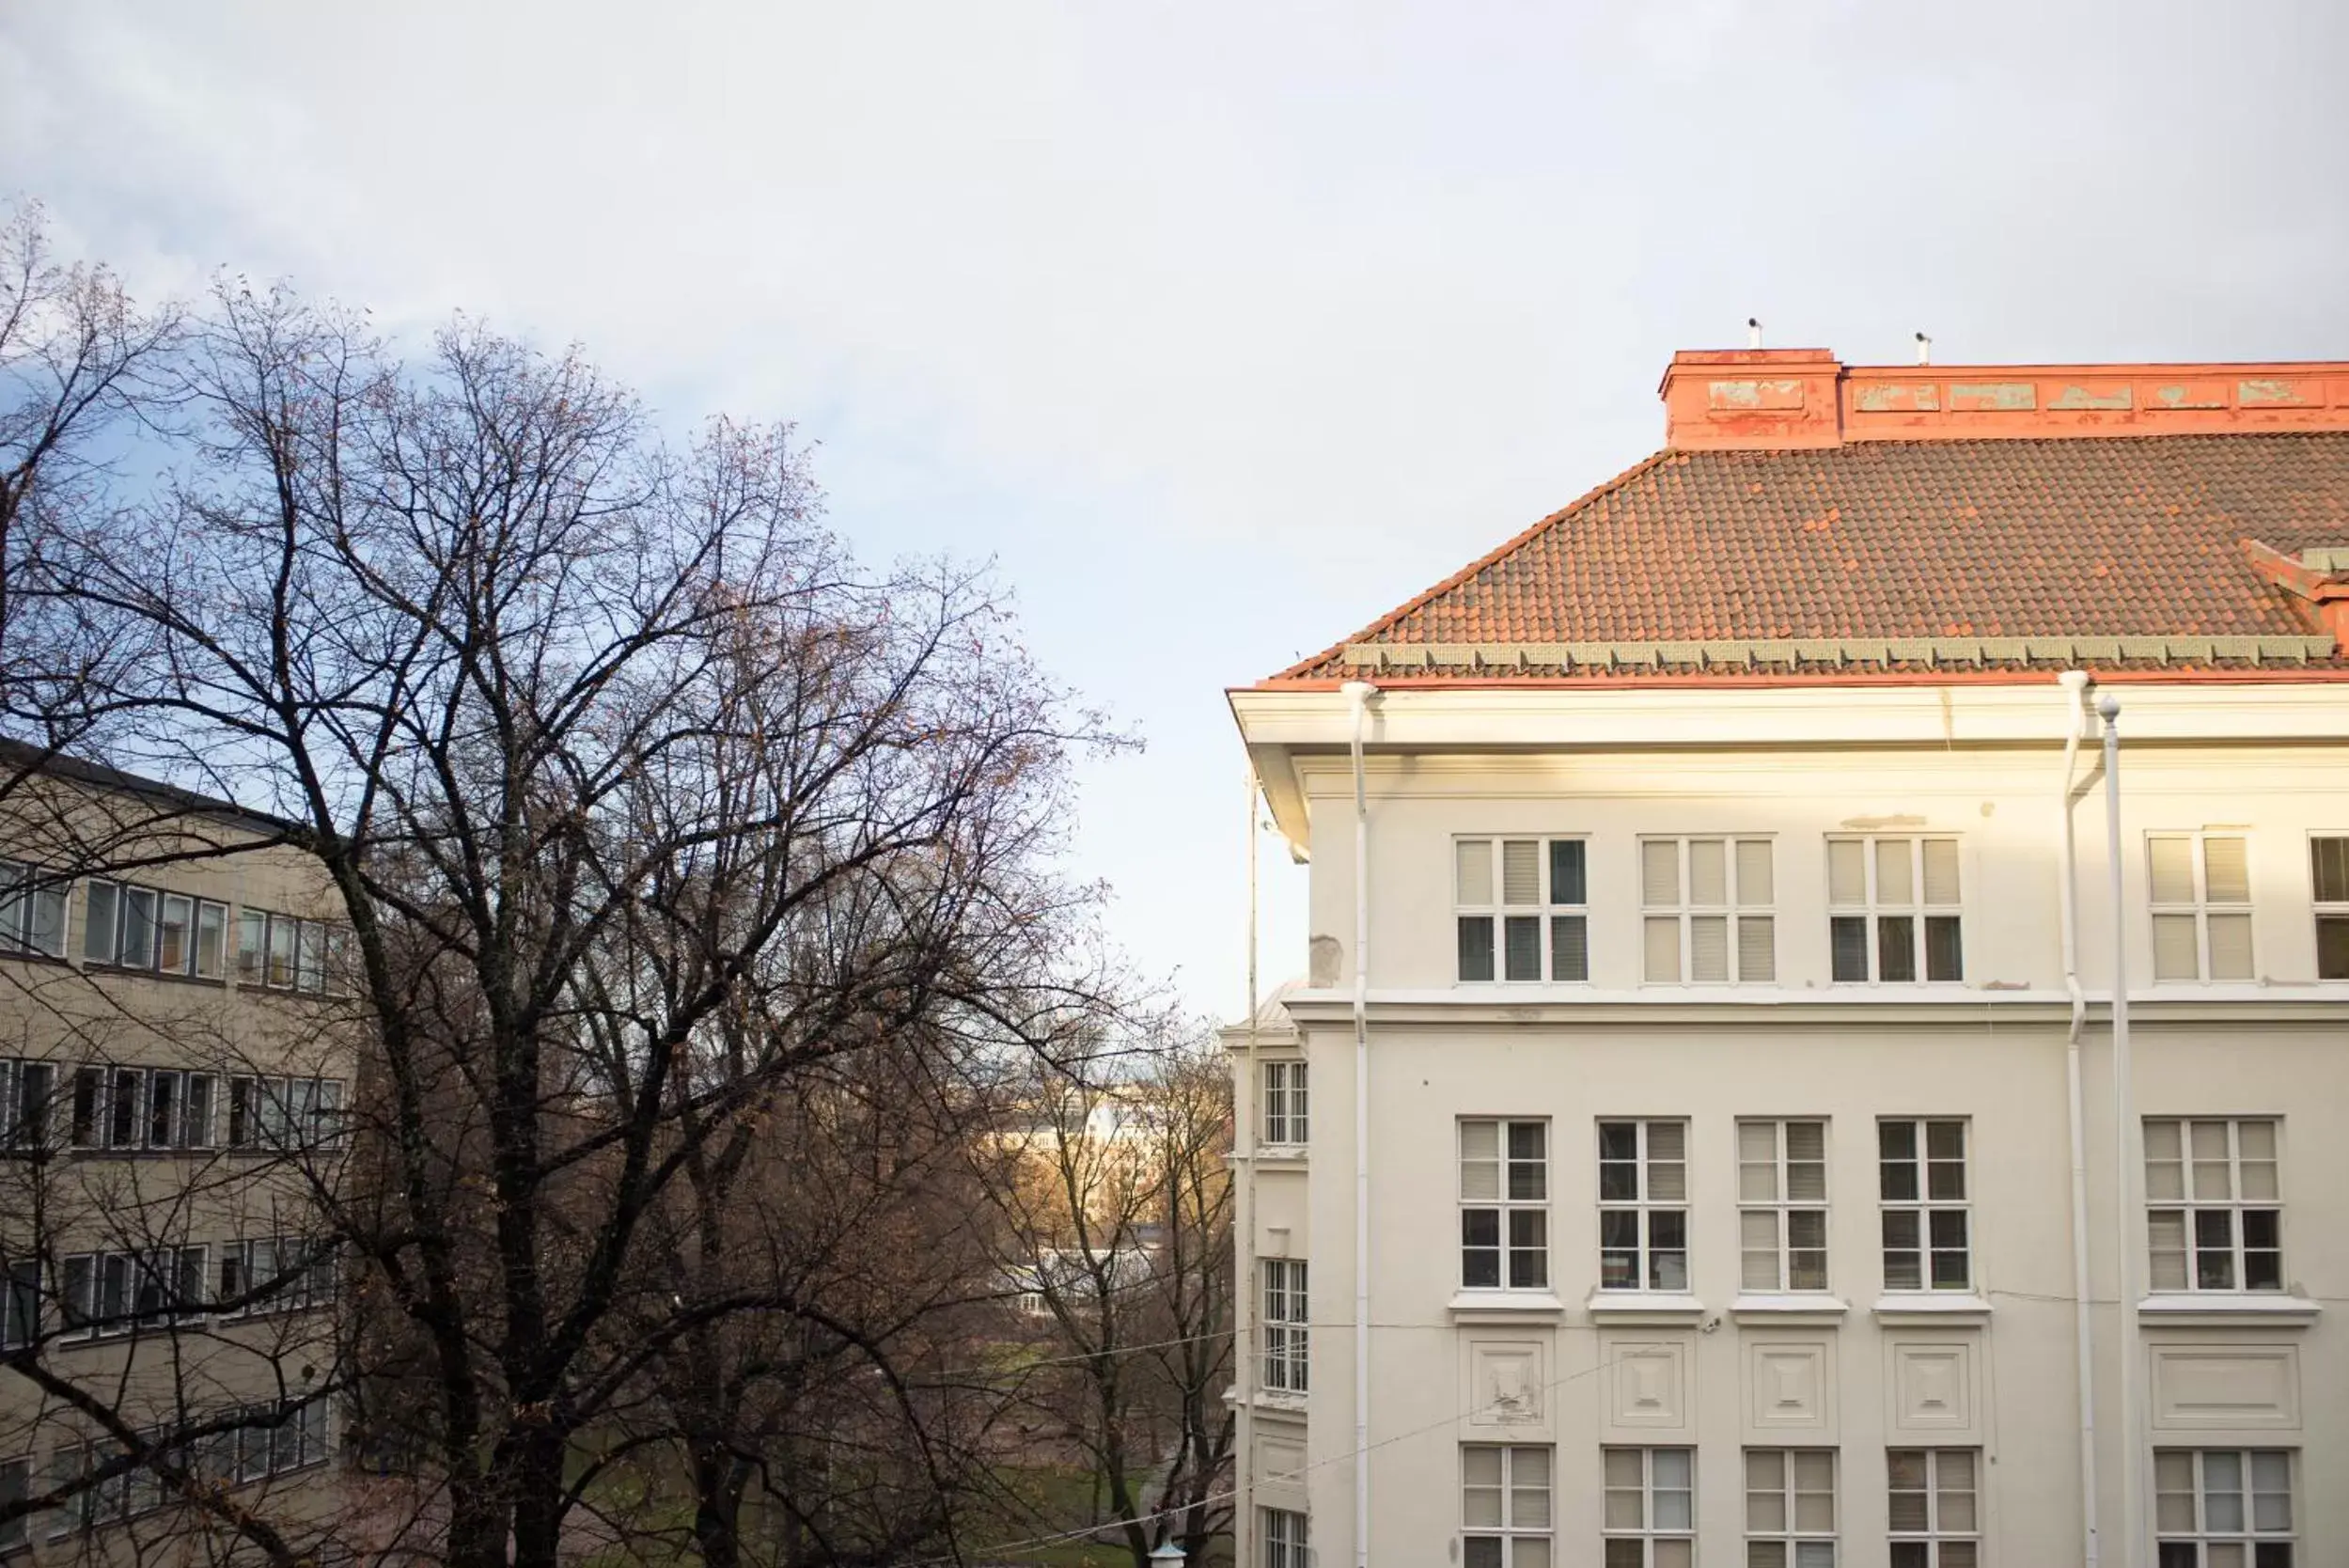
{"points": [[281, 945], [1847, 875], [1709, 949], [99, 920], [211, 936], [2328, 865], [1521, 871], [1896, 948], [1472, 870], [1848, 936], [175, 949], [2225, 871], [1660, 944], [2230, 947], [1757, 948], [1753, 873], [1708, 871], [1895, 885], [1523, 934], [138, 928], [1944, 958], [1566, 882], [1941, 871], [2172, 862], [1570, 948], [2332, 947], [1475, 947], [1659, 873], [252, 939]]}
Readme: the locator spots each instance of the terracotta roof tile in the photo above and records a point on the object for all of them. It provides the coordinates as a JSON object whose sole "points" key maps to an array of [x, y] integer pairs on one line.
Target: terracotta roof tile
{"points": [[2132, 536]]}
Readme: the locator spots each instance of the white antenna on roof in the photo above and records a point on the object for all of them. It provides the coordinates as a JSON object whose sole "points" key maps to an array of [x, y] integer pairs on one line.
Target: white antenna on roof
{"points": [[1924, 349], [1753, 333]]}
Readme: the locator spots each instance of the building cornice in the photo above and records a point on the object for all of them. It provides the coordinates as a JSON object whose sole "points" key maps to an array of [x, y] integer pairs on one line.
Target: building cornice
{"points": [[1447, 1009]]}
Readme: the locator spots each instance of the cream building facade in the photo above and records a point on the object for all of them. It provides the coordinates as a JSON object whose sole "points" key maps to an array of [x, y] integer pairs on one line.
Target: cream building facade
{"points": [[1701, 1136], [176, 1059]]}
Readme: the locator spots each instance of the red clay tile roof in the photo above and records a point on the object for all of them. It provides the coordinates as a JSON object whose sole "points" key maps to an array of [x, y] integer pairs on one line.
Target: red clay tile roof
{"points": [[2132, 535]]}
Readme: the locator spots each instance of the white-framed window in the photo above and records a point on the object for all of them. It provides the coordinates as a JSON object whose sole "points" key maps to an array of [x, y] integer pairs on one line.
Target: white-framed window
{"points": [[1935, 1512], [1504, 1204], [1790, 1508], [32, 909], [1706, 915], [2328, 881], [1287, 1536], [130, 927], [1895, 914], [1928, 1226], [2223, 1508], [2201, 891], [1650, 1518], [1522, 908], [20, 1302], [2214, 1204], [28, 1090], [285, 1113], [1505, 1506], [1782, 1206], [283, 953], [1643, 1206], [1285, 1313], [1285, 1104]]}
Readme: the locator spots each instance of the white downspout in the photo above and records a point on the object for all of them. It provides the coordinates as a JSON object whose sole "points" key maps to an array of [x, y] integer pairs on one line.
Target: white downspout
{"points": [[1359, 694], [2074, 683], [2129, 1230], [1244, 1233]]}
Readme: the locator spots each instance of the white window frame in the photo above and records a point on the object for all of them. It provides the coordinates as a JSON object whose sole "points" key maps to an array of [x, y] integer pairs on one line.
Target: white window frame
{"points": [[1287, 1537], [1661, 1545], [1517, 1484], [1645, 1205], [16, 1484], [1287, 1313], [1506, 1207], [1287, 1104], [2199, 1529], [1927, 1212], [1739, 905], [1548, 912], [2330, 913], [2191, 1205], [1926, 1545], [20, 911], [20, 1302], [1799, 1544], [2200, 908], [1872, 908], [1779, 1208]]}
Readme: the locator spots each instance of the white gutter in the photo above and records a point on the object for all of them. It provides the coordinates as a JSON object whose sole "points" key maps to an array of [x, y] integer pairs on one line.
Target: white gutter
{"points": [[2129, 1229], [1244, 1235], [2074, 683], [1358, 695]]}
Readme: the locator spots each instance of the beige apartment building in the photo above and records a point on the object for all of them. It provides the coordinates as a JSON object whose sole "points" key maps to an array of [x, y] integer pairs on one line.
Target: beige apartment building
{"points": [[1766, 1091], [175, 1054]]}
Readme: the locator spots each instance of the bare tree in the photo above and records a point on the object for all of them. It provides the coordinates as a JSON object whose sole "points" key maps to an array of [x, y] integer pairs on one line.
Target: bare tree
{"points": [[644, 804]]}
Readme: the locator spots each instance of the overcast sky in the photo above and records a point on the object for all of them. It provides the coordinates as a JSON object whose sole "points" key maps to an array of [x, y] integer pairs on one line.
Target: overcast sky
{"points": [[1221, 328]]}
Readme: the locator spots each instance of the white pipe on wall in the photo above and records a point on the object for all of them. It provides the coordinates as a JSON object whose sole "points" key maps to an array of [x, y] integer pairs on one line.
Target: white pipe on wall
{"points": [[1359, 694], [2129, 1229], [2074, 684], [1244, 1235]]}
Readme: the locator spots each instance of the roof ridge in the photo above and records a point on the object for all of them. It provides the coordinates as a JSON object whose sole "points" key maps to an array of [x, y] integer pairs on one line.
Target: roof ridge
{"points": [[1506, 547]]}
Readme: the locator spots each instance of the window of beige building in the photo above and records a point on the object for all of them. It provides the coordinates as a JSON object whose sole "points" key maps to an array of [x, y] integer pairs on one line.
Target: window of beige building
{"points": [[2214, 1204], [1505, 1506], [1935, 1508], [2223, 1508], [16, 1484], [1285, 1103], [1895, 912], [1649, 1519], [1928, 1229], [1522, 909], [1782, 1206], [31, 911], [1287, 1538], [1706, 911], [1285, 1313], [2329, 874], [1643, 1206], [1504, 1204], [2201, 889], [1790, 1508]]}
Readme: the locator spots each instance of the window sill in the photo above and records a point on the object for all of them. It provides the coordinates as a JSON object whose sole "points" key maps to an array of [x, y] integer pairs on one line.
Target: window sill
{"points": [[2224, 1309], [1655, 1307], [1923, 1309], [1471, 1305], [1790, 1306], [1280, 1153]]}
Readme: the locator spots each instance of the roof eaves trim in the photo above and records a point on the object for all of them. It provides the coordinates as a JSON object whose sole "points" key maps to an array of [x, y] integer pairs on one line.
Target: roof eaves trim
{"points": [[1750, 653]]}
